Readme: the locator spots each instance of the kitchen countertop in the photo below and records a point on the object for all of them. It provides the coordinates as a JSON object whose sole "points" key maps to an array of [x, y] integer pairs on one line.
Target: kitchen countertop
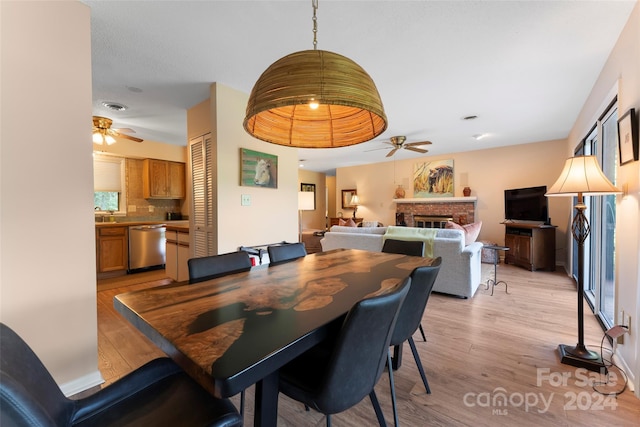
{"points": [[181, 225]]}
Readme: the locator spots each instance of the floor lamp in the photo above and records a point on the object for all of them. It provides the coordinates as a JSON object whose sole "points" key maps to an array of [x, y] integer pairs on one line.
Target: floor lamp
{"points": [[581, 176], [306, 202]]}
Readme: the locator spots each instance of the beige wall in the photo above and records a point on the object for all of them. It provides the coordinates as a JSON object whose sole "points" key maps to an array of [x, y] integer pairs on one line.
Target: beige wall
{"points": [[487, 172], [273, 215], [47, 252], [622, 71], [145, 149], [315, 219]]}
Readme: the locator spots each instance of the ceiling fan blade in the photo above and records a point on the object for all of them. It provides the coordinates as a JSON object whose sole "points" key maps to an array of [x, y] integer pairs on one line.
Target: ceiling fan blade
{"points": [[417, 150], [123, 135], [377, 149], [392, 152], [124, 130], [414, 144]]}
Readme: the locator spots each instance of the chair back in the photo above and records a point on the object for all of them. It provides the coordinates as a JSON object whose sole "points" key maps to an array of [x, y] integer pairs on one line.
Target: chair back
{"points": [[210, 267], [410, 314], [360, 351], [28, 393], [404, 247], [285, 252]]}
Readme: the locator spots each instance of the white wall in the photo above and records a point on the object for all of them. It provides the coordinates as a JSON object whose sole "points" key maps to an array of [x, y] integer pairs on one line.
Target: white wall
{"points": [[622, 69], [47, 250], [487, 172]]}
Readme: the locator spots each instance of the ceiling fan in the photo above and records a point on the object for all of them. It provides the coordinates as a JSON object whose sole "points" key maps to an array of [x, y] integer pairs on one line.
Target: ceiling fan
{"points": [[398, 142], [102, 131]]}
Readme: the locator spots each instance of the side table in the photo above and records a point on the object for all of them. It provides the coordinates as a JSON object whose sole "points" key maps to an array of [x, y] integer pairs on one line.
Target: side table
{"points": [[494, 282]]}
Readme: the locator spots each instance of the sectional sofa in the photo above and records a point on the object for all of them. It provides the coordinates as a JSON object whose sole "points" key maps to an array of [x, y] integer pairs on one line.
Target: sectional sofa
{"points": [[460, 273]]}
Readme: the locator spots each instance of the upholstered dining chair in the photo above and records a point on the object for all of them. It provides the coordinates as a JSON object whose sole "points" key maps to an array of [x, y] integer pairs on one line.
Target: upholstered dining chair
{"points": [[210, 267], [338, 373], [157, 394], [405, 247], [409, 316], [279, 254]]}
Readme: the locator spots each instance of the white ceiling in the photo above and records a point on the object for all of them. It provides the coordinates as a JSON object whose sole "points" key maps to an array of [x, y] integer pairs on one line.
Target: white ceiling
{"points": [[524, 68]]}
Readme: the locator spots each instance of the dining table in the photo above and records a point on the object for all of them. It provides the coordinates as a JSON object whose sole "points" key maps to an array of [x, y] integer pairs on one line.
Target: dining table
{"points": [[235, 331]]}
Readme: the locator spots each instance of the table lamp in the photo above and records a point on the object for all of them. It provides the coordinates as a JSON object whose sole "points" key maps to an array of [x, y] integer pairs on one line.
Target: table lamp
{"points": [[306, 202], [581, 176], [355, 201]]}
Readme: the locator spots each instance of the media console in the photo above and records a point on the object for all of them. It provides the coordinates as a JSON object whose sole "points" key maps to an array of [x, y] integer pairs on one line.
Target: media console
{"points": [[532, 246]]}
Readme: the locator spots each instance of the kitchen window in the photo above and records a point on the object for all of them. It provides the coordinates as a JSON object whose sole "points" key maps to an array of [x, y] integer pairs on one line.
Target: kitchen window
{"points": [[108, 184]]}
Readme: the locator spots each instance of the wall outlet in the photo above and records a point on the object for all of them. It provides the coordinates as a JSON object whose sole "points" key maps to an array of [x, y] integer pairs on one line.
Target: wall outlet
{"points": [[245, 200]]}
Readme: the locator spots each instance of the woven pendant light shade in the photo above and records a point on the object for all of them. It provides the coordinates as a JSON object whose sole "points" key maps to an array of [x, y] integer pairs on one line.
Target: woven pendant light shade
{"points": [[350, 110]]}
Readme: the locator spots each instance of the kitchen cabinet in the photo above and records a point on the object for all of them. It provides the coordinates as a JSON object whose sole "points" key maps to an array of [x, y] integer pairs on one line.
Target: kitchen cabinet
{"points": [[112, 247], [177, 254], [162, 179], [531, 246]]}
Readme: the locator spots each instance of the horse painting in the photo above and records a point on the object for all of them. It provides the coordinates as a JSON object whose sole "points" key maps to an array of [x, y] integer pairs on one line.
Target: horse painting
{"points": [[433, 179]]}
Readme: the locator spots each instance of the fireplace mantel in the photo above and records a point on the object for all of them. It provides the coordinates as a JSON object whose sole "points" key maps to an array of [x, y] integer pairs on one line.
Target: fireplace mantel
{"points": [[437, 200]]}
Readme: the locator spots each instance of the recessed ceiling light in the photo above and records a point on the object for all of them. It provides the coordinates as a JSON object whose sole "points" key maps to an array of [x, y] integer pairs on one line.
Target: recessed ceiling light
{"points": [[479, 136], [134, 89], [469, 117], [115, 106]]}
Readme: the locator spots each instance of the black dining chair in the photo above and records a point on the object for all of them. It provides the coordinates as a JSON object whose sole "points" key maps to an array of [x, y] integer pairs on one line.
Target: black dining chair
{"points": [[405, 247], [338, 373], [157, 394], [279, 254], [409, 316], [211, 267]]}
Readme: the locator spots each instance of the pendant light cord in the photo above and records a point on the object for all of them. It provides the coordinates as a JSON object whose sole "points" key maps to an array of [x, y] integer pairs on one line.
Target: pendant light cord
{"points": [[314, 3]]}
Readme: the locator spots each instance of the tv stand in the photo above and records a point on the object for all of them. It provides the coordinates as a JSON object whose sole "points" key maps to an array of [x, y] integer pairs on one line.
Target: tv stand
{"points": [[532, 246]]}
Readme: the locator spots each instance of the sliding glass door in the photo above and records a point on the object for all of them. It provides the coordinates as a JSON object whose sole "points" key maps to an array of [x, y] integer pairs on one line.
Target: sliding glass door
{"points": [[600, 248]]}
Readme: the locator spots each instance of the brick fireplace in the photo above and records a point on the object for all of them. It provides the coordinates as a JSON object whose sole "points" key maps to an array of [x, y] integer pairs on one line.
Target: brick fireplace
{"points": [[437, 210]]}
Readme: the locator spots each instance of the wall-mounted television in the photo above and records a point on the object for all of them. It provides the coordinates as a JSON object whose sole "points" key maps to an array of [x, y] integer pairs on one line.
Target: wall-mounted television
{"points": [[526, 204]]}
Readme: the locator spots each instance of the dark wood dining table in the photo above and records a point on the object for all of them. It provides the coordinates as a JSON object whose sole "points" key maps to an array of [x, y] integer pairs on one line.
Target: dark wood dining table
{"points": [[238, 330]]}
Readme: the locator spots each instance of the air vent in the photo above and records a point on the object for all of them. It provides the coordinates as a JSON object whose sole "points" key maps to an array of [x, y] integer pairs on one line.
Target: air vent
{"points": [[114, 106]]}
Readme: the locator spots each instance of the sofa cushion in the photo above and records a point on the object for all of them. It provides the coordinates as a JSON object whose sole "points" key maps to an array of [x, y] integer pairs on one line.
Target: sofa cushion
{"points": [[471, 231], [348, 223]]}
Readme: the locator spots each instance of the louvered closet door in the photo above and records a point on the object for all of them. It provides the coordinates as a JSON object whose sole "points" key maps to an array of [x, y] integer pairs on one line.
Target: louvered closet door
{"points": [[204, 202]]}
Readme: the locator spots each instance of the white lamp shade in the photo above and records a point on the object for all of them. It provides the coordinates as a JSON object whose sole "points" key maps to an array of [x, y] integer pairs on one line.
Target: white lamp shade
{"points": [[581, 175], [306, 200], [355, 200]]}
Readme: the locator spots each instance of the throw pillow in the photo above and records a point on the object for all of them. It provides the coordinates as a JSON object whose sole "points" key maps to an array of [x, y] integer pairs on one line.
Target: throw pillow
{"points": [[349, 223], [471, 231]]}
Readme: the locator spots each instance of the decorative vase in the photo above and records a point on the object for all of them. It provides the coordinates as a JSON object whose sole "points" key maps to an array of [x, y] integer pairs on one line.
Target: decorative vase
{"points": [[399, 194], [466, 191]]}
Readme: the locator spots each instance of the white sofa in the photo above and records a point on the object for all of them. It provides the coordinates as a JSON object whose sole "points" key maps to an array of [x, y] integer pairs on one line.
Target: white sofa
{"points": [[460, 273]]}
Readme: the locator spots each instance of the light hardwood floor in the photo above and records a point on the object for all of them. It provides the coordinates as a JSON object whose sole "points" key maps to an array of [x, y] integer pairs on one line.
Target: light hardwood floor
{"points": [[478, 350]]}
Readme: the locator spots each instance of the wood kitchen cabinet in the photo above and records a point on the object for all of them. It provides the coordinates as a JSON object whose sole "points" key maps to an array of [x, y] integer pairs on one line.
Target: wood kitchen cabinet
{"points": [[162, 179], [531, 246], [177, 254], [112, 250]]}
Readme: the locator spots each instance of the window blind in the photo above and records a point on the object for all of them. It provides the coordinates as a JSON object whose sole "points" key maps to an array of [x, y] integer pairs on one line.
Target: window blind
{"points": [[107, 174]]}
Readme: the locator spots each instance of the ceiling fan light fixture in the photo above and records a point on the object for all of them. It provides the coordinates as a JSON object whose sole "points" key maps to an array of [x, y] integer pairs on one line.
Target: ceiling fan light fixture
{"points": [[97, 138], [281, 109]]}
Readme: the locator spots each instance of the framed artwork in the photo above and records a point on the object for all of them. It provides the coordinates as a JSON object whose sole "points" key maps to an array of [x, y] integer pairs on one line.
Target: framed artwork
{"points": [[346, 199], [309, 188], [433, 179], [628, 137], [258, 169]]}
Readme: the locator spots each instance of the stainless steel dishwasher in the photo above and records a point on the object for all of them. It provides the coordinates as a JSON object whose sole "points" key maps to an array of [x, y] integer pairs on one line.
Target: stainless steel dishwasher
{"points": [[147, 246]]}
